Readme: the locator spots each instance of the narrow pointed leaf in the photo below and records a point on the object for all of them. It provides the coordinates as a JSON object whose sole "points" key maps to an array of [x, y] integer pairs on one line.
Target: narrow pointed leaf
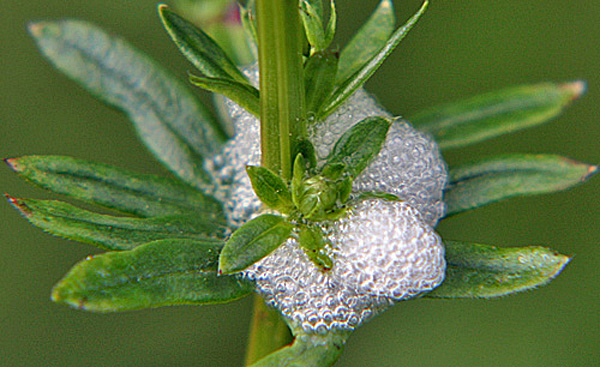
{"points": [[360, 196], [298, 176], [115, 188], [114, 233], [253, 241], [359, 145], [483, 117], [490, 180], [332, 24], [484, 271], [317, 6], [313, 25], [319, 78], [241, 93], [159, 273], [172, 123], [270, 188], [313, 243], [307, 350], [369, 39], [351, 83], [199, 48]]}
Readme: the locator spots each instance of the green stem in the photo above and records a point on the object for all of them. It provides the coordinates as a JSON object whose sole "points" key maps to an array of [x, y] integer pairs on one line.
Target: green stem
{"points": [[280, 41], [268, 332]]}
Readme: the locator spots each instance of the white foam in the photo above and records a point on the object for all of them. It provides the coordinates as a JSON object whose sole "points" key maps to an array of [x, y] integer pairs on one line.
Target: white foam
{"points": [[383, 252]]}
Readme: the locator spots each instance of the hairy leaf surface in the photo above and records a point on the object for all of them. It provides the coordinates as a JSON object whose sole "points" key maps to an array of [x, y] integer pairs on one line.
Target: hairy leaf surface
{"points": [[159, 273], [484, 271]]}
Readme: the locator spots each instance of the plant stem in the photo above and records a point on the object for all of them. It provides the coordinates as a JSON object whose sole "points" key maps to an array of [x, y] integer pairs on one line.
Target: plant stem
{"points": [[280, 41], [268, 332]]}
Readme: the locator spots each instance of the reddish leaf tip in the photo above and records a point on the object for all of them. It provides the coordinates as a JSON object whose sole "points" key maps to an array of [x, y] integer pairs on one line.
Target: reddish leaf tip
{"points": [[592, 170], [12, 163], [18, 204], [576, 88], [9, 198], [36, 28]]}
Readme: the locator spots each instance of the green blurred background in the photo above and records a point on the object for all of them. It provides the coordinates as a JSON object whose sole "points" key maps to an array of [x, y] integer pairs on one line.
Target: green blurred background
{"points": [[460, 48]]}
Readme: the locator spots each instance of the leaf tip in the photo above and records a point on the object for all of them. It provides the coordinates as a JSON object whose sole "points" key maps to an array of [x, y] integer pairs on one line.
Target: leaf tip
{"points": [[18, 204], [561, 262], [61, 294], [41, 29], [591, 171], [574, 89], [386, 4], [64, 292], [12, 163], [36, 28], [163, 9], [56, 294], [225, 268]]}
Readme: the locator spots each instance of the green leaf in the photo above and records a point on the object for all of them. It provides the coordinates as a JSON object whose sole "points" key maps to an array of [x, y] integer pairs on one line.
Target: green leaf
{"points": [[199, 48], [312, 241], [115, 188], [319, 78], [493, 179], [369, 39], [159, 273], [359, 145], [484, 271], [298, 176], [350, 84], [241, 93], [114, 233], [253, 241], [308, 350], [476, 119], [317, 6], [172, 123], [332, 24], [312, 19], [270, 188], [364, 195]]}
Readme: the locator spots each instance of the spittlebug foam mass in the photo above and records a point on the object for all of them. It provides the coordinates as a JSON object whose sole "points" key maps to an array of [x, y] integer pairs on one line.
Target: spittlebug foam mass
{"points": [[383, 251]]}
